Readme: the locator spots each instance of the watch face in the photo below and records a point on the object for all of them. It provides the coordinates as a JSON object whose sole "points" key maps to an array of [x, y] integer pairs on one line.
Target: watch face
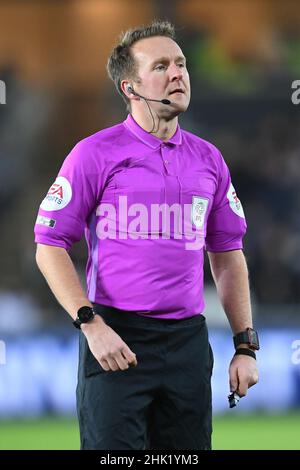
{"points": [[85, 314], [253, 338], [249, 336]]}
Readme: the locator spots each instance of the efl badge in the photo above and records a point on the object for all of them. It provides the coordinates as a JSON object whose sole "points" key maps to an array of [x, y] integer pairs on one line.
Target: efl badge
{"points": [[234, 202], [199, 208]]}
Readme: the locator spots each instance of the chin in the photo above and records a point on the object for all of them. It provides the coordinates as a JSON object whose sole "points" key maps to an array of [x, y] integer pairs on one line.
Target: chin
{"points": [[181, 105], [173, 110], [177, 108], [169, 115]]}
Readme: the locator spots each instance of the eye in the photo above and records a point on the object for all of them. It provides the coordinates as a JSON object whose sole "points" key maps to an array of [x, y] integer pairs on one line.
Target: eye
{"points": [[160, 67]]}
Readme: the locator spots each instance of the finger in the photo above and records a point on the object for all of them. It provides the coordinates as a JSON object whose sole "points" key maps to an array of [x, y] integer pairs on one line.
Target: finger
{"points": [[253, 380], [243, 387], [112, 364], [121, 361], [132, 364], [104, 365], [233, 381], [129, 356]]}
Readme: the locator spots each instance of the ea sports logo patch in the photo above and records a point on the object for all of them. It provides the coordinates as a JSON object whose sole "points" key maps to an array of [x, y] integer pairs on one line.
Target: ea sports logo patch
{"points": [[234, 202], [58, 196]]}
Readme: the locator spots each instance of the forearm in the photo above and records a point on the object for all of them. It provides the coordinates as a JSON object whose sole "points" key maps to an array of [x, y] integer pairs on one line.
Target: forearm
{"points": [[59, 272], [230, 274], [106, 345]]}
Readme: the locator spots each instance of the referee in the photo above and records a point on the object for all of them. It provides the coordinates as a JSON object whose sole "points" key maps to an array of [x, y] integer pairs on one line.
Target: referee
{"points": [[149, 197]]}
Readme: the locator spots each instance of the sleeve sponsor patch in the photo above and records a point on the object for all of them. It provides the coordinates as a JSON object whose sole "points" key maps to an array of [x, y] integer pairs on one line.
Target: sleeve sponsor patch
{"points": [[58, 196], [234, 202], [41, 220]]}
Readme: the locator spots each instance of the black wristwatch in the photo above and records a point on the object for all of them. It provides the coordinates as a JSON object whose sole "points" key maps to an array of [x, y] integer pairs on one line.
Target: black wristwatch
{"points": [[84, 315], [249, 336]]}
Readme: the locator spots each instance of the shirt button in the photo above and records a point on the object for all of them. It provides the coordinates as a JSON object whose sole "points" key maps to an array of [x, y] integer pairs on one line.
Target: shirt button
{"points": [[166, 161]]}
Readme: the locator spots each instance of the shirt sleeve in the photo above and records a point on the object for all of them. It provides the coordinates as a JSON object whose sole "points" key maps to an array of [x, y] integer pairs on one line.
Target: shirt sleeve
{"points": [[65, 210], [226, 223]]}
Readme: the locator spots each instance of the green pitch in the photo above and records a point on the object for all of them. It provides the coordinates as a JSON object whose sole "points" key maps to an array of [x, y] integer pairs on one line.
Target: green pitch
{"points": [[230, 432]]}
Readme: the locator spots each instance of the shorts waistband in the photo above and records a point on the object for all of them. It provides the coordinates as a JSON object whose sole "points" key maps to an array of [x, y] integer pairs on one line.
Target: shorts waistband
{"points": [[129, 316]]}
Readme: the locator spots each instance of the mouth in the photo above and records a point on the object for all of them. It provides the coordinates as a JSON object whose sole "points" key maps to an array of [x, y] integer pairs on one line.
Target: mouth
{"points": [[177, 90]]}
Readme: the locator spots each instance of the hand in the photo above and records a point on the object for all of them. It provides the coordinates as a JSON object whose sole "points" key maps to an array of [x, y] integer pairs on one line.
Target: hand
{"points": [[243, 374], [109, 349]]}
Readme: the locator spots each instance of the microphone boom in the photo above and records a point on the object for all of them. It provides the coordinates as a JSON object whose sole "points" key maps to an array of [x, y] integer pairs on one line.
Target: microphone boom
{"points": [[163, 101]]}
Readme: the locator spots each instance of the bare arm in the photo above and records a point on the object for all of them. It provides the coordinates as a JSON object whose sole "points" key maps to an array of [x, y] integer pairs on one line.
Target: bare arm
{"points": [[230, 273], [58, 269]]}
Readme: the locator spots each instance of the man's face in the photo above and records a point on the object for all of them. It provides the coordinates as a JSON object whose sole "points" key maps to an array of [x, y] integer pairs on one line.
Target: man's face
{"points": [[162, 71]]}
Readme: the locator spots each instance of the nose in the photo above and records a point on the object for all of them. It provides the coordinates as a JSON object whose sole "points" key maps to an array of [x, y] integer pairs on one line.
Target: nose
{"points": [[175, 73]]}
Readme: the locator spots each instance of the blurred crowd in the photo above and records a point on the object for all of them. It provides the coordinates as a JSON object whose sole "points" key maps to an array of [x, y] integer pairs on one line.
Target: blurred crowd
{"points": [[265, 169]]}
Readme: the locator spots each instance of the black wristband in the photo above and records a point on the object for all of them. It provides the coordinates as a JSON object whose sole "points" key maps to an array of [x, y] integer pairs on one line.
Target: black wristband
{"points": [[245, 352]]}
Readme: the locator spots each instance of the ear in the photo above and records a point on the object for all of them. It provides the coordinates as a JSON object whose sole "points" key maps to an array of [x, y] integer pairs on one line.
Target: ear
{"points": [[126, 88]]}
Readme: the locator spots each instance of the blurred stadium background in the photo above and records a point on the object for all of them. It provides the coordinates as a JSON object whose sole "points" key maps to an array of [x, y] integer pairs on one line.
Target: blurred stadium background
{"points": [[243, 56]]}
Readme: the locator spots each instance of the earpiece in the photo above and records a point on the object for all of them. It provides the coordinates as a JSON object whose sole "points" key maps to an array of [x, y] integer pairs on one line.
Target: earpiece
{"points": [[130, 89]]}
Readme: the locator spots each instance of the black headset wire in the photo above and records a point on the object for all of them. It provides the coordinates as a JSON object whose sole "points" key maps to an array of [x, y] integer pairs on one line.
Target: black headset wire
{"points": [[153, 120]]}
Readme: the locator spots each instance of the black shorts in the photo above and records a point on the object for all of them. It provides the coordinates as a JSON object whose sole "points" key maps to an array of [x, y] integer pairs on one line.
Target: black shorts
{"points": [[162, 403]]}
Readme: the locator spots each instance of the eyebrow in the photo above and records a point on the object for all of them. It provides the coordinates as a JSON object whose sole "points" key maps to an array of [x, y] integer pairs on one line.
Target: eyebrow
{"points": [[166, 59]]}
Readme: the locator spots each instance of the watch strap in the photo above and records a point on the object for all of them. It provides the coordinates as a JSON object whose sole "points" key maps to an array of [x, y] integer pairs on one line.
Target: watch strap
{"points": [[77, 324], [245, 352]]}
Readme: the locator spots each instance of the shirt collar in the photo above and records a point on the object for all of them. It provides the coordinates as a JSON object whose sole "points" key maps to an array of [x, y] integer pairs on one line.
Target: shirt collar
{"points": [[150, 139]]}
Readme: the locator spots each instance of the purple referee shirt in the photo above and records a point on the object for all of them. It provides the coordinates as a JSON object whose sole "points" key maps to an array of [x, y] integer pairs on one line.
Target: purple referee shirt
{"points": [[148, 209]]}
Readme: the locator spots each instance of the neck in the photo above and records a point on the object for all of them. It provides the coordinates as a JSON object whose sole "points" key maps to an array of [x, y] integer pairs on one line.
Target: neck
{"points": [[163, 129]]}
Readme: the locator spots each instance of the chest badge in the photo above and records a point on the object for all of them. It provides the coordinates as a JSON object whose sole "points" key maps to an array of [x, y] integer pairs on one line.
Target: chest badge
{"points": [[199, 208]]}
